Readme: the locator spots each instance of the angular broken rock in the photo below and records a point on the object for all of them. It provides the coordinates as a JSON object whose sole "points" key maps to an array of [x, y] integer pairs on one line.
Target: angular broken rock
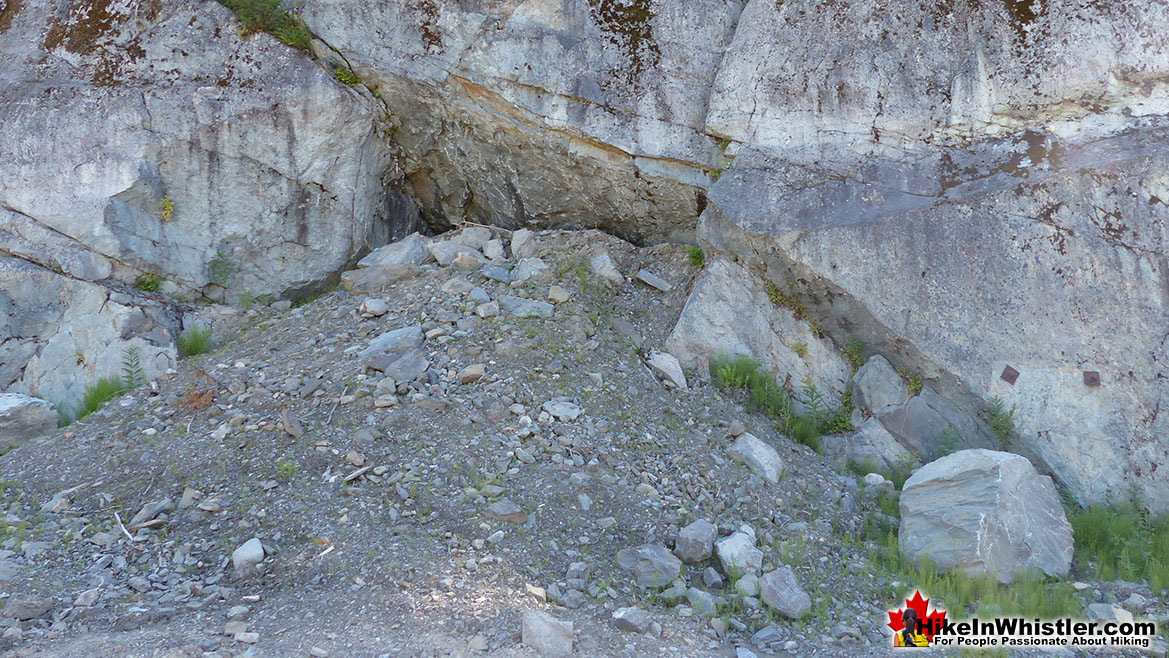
{"points": [[525, 308], [602, 266], [634, 620], [23, 607], [248, 554], [546, 635], [985, 512], [24, 418], [761, 458], [373, 279], [472, 373], [410, 250], [666, 366], [523, 244], [394, 342], [653, 565], [148, 512], [779, 590], [562, 410], [738, 553], [695, 542], [505, 510], [374, 308], [446, 251], [876, 386], [528, 268], [408, 367], [654, 281], [290, 423]]}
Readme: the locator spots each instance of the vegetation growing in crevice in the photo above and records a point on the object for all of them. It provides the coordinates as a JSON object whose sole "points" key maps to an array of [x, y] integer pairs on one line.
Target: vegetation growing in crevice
{"points": [[911, 379], [194, 340], [345, 75], [695, 255], [273, 17], [148, 282], [1002, 421], [105, 388], [777, 403]]}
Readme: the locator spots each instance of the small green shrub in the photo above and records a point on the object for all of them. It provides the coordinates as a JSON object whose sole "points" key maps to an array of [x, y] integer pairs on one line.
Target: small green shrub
{"points": [[148, 282], [912, 381], [696, 257], [951, 440], [132, 374], [346, 76], [286, 470], [194, 340], [246, 299], [805, 431], [105, 388], [168, 207], [852, 353], [220, 269], [270, 16], [1002, 421]]}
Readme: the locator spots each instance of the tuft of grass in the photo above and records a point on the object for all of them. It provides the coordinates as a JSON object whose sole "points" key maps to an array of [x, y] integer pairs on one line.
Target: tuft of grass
{"points": [[148, 282], [1122, 541], [168, 207], [246, 299], [194, 340], [800, 347], [345, 75], [852, 353], [695, 256], [1002, 421], [912, 381], [270, 16], [742, 372], [105, 388], [791, 302], [286, 470], [1030, 595]]}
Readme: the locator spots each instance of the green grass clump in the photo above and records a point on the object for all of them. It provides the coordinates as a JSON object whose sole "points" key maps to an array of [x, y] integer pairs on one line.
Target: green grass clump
{"points": [[696, 257], [346, 76], [1122, 541], [852, 353], [148, 282], [168, 207], [742, 372], [912, 381], [194, 340], [1030, 595], [105, 388], [270, 16]]}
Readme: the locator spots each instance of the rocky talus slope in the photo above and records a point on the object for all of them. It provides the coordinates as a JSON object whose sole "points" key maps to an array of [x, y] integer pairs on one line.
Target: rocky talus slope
{"points": [[488, 458]]}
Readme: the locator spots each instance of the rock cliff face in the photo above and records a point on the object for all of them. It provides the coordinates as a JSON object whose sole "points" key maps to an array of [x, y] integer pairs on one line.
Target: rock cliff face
{"points": [[962, 185]]}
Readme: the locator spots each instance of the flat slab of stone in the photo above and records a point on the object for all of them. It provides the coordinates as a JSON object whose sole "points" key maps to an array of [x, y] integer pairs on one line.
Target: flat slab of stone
{"points": [[377, 277], [394, 342], [668, 368], [507, 511], [410, 250], [654, 281], [525, 308], [653, 565]]}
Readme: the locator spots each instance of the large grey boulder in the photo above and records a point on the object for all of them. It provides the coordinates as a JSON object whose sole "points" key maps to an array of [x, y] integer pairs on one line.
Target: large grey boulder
{"points": [[410, 250], [985, 512], [780, 591], [761, 458], [738, 553], [547, 636], [695, 541], [24, 418], [653, 565], [870, 444], [923, 423]]}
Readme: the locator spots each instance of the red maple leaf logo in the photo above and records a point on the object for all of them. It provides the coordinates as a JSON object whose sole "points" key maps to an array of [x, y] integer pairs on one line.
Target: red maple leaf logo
{"points": [[931, 622]]}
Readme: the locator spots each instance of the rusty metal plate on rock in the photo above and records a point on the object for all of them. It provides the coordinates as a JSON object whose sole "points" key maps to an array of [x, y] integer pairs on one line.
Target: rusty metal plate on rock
{"points": [[1010, 375]]}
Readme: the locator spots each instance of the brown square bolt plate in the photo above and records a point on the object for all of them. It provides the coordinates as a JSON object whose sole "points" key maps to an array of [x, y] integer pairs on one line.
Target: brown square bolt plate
{"points": [[1091, 378], [1010, 375]]}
